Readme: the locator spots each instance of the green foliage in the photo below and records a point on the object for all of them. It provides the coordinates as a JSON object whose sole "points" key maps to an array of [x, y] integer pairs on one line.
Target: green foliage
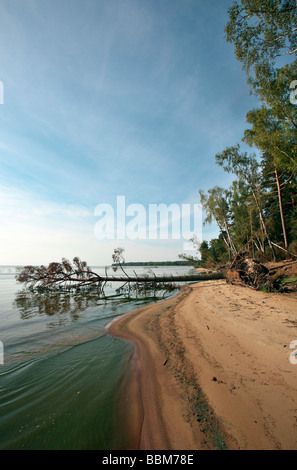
{"points": [[259, 210], [262, 30], [213, 252], [217, 207], [274, 124]]}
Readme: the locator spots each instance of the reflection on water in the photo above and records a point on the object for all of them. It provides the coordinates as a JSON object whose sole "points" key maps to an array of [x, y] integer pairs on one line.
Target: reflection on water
{"points": [[57, 304], [31, 304]]}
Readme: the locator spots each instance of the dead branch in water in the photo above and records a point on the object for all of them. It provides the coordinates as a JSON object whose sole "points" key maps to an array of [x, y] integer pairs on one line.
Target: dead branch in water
{"points": [[79, 276]]}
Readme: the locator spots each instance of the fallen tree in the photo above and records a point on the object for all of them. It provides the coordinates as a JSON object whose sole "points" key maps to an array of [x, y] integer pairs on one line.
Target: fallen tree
{"points": [[79, 276], [246, 271]]}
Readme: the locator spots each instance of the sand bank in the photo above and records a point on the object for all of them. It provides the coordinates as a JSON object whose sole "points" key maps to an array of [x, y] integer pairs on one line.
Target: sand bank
{"points": [[213, 370]]}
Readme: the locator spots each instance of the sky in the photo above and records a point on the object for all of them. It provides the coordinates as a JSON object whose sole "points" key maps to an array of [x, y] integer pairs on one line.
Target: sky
{"points": [[105, 99]]}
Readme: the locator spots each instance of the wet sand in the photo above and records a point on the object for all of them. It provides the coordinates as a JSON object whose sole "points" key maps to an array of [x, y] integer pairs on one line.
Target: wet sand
{"points": [[211, 370]]}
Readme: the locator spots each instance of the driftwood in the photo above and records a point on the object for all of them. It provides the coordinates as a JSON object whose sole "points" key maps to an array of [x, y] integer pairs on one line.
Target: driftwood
{"points": [[245, 271], [283, 265]]}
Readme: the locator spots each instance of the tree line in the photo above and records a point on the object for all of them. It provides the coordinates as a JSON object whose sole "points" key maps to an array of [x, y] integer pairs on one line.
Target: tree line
{"points": [[258, 212]]}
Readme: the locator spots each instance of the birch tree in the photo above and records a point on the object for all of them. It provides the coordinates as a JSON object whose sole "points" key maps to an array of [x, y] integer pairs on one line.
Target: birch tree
{"points": [[217, 209], [262, 31], [246, 168]]}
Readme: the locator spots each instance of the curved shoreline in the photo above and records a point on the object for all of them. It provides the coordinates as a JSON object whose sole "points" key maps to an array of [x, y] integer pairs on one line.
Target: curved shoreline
{"points": [[120, 328], [211, 369], [161, 419]]}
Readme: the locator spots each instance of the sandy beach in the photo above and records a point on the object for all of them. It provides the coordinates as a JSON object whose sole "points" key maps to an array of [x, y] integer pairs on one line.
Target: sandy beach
{"points": [[211, 370]]}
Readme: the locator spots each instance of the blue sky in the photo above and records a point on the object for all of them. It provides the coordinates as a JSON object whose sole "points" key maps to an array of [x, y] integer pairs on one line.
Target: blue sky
{"points": [[107, 98]]}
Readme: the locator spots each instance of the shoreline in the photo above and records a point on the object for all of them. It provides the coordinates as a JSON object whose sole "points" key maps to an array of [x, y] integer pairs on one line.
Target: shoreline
{"points": [[153, 433], [211, 369], [158, 400]]}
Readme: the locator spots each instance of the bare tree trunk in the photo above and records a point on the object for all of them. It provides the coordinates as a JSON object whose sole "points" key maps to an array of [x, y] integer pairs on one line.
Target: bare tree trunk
{"points": [[252, 237], [263, 223], [232, 247], [281, 209], [224, 238], [281, 248], [261, 244]]}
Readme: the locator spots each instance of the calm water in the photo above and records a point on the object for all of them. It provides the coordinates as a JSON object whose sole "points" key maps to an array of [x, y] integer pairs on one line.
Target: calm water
{"points": [[60, 382]]}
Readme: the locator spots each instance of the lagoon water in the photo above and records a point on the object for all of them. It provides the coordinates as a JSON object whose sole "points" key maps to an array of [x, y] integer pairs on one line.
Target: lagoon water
{"points": [[60, 382]]}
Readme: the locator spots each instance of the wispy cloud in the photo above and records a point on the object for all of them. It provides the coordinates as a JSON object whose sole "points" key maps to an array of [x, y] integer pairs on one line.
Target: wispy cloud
{"points": [[109, 98]]}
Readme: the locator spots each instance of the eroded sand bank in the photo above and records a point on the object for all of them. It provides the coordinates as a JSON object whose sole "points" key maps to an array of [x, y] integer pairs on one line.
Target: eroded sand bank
{"points": [[213, 370]]}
